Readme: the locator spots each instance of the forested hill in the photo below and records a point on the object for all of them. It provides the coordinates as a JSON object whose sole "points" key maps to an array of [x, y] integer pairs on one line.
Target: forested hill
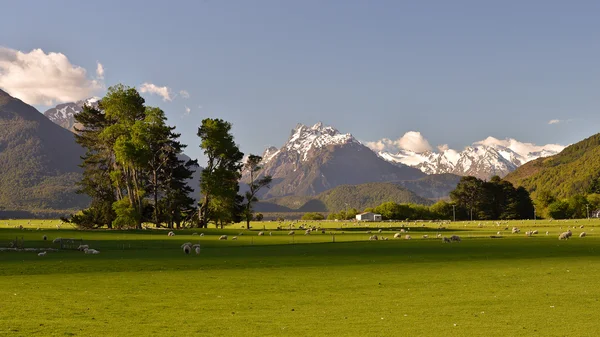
{"points": [[344, 197], [575, 170], [38, 161]]}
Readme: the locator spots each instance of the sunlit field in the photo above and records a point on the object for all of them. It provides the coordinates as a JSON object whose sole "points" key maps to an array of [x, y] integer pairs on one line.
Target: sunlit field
{"points": [[336, 283]]}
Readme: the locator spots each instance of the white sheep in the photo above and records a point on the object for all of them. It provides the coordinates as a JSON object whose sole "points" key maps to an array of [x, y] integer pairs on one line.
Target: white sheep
{"points": [[397, 236], [291, 233], [373, 238], [186, 244], [498, 233], [439, 235], [57, 240], [42, 254], [201, 234], [187, 249], [425, 236], [516, 230], [529, 233], [563, 236], [455, 238], [407, 237], [91, 251], [197, 250], [379, 231], [534, 232], [83, 247], [547, 232], [385, 239], [234, 238], [307, 232], [582, 234], [171, 233], [261, 233], [223, 237]]}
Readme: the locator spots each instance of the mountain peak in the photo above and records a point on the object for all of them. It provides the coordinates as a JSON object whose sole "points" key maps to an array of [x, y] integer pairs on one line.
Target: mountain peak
{"points": [[304, 138]]}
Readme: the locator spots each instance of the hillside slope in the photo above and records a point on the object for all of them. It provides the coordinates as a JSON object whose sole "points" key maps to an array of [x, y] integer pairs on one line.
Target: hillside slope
{"points": [[572, 171], [343, 197], [38, 160]]}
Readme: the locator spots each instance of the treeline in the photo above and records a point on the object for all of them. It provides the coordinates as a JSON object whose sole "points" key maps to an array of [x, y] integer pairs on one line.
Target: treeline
{"points": [[133, 173], [574, 207], [473, 198]]}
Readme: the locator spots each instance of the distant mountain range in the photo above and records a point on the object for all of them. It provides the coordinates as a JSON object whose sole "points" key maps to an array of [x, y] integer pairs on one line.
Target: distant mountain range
{"points": [[483, 159], [40, 160]]}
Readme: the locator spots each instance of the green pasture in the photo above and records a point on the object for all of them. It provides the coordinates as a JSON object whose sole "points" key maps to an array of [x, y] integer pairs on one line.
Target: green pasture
{"points": [[142, 284]]}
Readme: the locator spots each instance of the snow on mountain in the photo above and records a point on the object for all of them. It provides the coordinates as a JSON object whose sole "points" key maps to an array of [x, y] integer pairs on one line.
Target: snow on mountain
{"points": [[64, 114], [483, 159], [303, 139], [319, 157]]}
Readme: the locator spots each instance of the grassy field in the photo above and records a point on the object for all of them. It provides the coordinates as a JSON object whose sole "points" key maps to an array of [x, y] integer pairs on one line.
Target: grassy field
{"points": [[304, 285]]}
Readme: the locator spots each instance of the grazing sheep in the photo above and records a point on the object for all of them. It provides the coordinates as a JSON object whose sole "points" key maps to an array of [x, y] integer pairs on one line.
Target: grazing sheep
{"points": [[516, 230], [446, 240], [581, 226], [534, 232], [529, 233], [83, 247], [379, 231], [397, 236], [407, 237], [234, 238], [582, 234], [291, 233], [455, 238], [402, 230], [223, 237], [197, 249], [91, 251], [498, 233], [187, 249], [547, 233], [196, 245], [439, 235], [563, 236], [569, 233], [42, 254], [45, 237], [261, 233], [425, 236], [186, 244], [270, 233], [171, 233], [373, 238], [57, 240], [201, 234]]}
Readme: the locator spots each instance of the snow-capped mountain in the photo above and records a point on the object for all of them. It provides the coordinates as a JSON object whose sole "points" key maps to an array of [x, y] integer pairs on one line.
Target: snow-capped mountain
{"points": [[316, 158], [482, 159], [64, 114]]}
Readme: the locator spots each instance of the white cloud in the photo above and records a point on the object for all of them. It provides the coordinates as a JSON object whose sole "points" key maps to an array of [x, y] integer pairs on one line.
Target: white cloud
{"points": [[164, 92], [554, 121], [187, 110], [520, 148], [412, 141], [184, 94], [99, 71], [46, 79]]}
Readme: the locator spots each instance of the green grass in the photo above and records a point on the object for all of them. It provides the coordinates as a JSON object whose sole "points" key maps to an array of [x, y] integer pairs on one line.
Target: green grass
{"points": [[143, 285]]}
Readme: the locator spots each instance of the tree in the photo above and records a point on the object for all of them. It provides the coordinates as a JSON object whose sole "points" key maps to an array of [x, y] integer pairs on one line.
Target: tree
{"points": [[559, 210], [467, 193], [219, 181], [313, 216], [252, 166]]}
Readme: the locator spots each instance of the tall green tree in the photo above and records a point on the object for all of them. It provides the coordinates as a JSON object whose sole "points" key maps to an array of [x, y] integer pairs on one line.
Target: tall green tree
{"points": [[467, 194], [255, 184], [219, 179]]}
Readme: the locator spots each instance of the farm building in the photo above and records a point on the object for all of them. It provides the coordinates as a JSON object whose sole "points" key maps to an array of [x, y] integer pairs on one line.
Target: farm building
{"points": [[368, 216]]}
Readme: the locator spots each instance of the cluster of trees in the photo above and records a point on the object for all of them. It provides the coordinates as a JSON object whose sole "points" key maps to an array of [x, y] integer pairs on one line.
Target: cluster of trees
{"points": [[574, 207], [133, 171], [472, 198], [489, 200]]}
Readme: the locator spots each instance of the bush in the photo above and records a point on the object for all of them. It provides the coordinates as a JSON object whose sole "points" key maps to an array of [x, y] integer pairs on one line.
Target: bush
{"points": [[313, 216]]}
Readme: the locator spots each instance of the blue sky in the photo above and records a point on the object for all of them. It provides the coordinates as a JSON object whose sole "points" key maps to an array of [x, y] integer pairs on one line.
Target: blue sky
{"points": [[456, 71]]}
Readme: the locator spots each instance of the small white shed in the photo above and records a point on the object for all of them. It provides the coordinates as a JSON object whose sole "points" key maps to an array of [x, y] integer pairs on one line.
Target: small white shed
{"points": [[368, 216]]}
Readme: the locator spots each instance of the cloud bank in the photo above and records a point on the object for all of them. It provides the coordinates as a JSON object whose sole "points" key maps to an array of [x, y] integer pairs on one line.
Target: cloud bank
{"points": [[43, 78], [151, 88], [411, 141]]}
